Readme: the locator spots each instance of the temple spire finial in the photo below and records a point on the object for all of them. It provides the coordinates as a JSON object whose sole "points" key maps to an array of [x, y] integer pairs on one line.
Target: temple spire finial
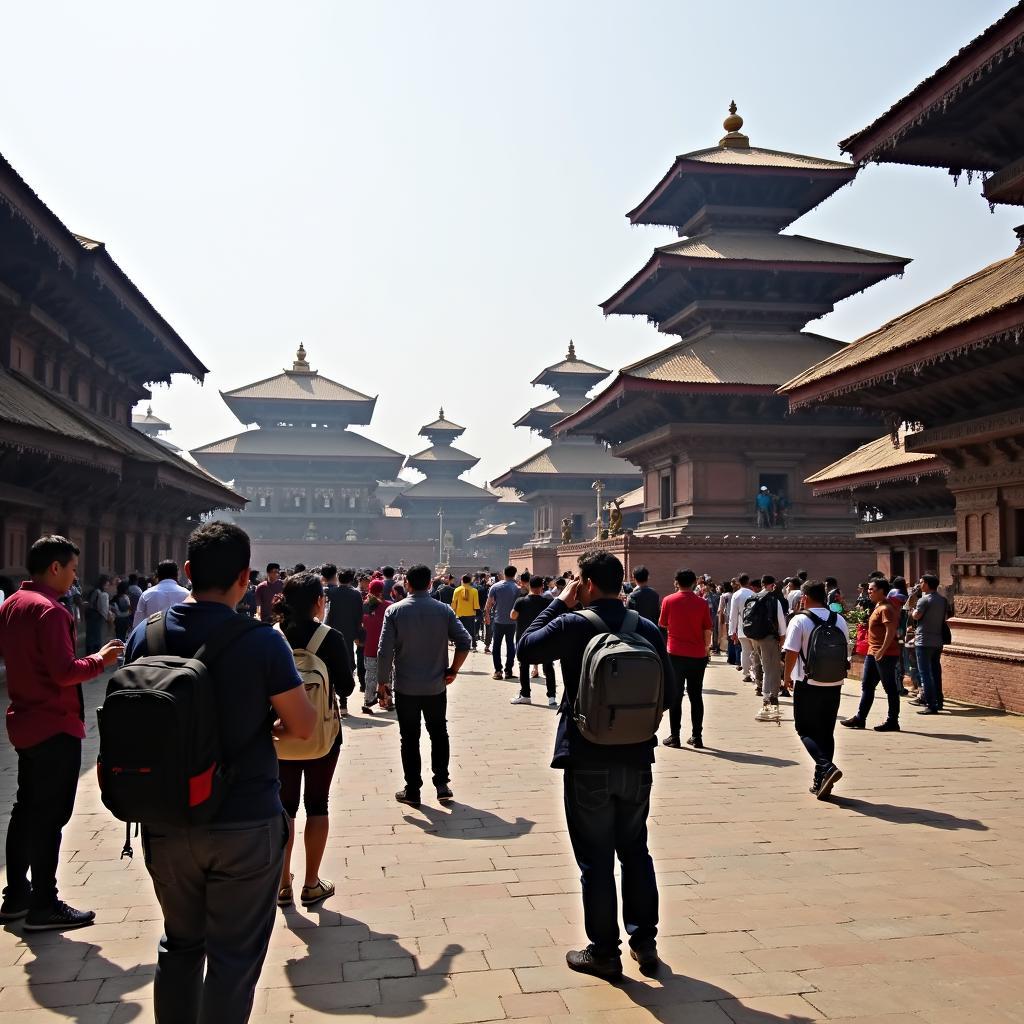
{"points": [[571, 356], [149, 411], [440, 415], [300, 365], [734, 138]]}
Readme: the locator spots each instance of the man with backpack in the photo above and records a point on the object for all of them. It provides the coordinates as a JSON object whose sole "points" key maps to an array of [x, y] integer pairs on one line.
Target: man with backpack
{"points": [[740, 595], [817, 660], [217, 880], [605, 746], [764, 624]]}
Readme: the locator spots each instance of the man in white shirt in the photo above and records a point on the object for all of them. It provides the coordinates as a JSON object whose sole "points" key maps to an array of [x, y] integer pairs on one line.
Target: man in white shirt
{"points": [[739, 599], [816, 700], [161, 597], [768, 648]]}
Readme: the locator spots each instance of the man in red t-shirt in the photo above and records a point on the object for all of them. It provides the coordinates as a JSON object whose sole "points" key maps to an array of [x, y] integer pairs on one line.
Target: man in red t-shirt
{"points": [[687, 619], [45, 722]]}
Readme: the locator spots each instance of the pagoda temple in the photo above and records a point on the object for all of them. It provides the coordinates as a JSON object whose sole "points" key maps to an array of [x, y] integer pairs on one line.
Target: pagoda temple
{"points": [[946, 377], [310, 481], [152, 426], [701, 418], [443, 505], [558, 480]]}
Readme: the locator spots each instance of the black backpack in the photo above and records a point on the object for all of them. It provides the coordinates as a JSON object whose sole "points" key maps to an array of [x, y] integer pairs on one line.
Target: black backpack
{"points": [[760, 616], [161, 758], [828, 647]]}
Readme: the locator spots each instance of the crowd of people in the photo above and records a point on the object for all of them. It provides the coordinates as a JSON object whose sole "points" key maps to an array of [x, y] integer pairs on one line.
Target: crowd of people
{"points": [[400, 639]]}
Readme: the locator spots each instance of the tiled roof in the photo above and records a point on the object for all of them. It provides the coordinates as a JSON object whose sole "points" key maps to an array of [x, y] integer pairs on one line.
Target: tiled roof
{"points": [[592, 460], [768, 246], [752, 156], [442, 425], [343, 444], [495, 530], [633, 499], [149, 420], [443, 453], [991, 289], [506, 495], [445, 489], [307, 387], [714, 358], [880, 457]]}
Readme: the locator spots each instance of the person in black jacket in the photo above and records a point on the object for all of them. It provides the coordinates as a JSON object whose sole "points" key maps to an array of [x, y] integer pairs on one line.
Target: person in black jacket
{"points": [[607, 787], [345, 614], [644, 600]]}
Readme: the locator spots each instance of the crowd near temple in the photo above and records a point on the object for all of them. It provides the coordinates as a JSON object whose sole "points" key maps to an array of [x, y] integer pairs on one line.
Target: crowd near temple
{"points": [[808, 510]]}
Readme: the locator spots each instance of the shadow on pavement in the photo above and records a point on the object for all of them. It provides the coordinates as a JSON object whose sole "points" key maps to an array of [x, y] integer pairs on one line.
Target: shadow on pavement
{"points": [[457, 823], [665, 989], [744, 757], [390, 960], [909, 815], [959, 737]]}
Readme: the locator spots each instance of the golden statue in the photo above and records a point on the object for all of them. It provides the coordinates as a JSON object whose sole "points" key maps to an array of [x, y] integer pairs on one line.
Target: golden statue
{"points": [[567, 530], [615, 518]]}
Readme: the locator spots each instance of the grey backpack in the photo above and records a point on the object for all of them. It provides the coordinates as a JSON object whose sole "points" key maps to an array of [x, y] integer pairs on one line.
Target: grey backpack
{"points": [[621, 696]]}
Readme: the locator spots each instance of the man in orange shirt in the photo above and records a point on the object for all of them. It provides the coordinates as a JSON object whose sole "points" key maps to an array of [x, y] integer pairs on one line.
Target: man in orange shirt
{"points": [[882, 662], [687, 619]]}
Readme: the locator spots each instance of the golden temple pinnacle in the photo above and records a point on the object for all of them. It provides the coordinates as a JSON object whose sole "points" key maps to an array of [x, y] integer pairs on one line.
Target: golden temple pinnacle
{"points": [[734, 138]]}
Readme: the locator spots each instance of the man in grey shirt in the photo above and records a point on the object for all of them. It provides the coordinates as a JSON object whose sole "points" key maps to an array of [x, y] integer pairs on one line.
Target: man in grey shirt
{"points": [[414, 644], [498, 611], [929, 617]]}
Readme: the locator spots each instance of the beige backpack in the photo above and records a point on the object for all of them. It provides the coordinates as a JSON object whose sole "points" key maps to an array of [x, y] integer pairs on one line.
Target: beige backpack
{"points": [[318, 689]]}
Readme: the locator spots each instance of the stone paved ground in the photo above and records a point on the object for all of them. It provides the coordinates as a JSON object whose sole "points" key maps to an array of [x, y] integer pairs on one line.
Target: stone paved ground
{"points": [[901, 902]]}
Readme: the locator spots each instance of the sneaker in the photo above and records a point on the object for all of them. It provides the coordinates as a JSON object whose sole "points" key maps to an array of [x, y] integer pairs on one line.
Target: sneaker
{"points": [[584, 961], [508, 674], [767, 714], [758, 692], [408, 796], [521, 700], [853, 722], [888, 726], [917, 702], [14, 906], [829, 778], [311, 895], [367, 710], [497, 675], [487, 650], [552, 702], [60, 917], [445, 794], [747, 679], [696, 742], [672, 741], [647, 957], [928, 711]]}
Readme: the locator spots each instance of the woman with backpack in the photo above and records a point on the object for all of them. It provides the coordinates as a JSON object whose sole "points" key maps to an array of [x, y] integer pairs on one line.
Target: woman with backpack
{"points": [[300, 611]]}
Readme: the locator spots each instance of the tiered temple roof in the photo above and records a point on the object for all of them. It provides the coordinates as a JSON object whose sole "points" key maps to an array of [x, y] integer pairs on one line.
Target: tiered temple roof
{"points": [[153, 426]]}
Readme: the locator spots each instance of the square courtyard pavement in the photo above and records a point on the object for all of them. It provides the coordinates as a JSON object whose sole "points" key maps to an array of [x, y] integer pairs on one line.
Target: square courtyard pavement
{"points": [[901, 901]]}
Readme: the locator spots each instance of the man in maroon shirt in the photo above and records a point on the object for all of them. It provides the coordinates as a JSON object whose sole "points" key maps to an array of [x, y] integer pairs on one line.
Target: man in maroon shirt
{"points": [[687, 619], [45, 722]]}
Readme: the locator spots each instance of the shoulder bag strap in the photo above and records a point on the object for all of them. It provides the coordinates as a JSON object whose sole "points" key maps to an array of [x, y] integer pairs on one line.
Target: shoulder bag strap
{"points": [[631, 623], [156, 634], [594, 619], [318, 637]]}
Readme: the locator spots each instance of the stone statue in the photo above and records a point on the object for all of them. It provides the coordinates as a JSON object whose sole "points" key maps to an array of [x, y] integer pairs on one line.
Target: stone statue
{"points": [[615, 518], [567, 530]]}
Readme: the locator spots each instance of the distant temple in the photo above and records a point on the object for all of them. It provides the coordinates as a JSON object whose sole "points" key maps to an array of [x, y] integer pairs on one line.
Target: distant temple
{"points": [[702, 419], [557, 482], [152, 426]]}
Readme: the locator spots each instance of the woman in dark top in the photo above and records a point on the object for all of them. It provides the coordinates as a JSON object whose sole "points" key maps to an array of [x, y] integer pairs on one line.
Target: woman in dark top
{"points": [[299, 612], [121, 609]]}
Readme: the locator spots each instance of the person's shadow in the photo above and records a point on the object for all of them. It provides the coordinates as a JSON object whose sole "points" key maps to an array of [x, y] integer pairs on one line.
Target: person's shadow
{"points": [[56, 959], [367, 979], [745, 757], [460, 820], [908, 815], [664, 988]]}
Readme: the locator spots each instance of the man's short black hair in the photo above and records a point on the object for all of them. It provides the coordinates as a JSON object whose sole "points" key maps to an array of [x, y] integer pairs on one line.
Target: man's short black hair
{"points": [[467, 578], [388, 572], [510, 572], [815, 590], [47, 550], [743, 578], [536, 582], [931, 579], [328, 570], [766, 580], [880, 582], [167, 570], [686, 578], [640, 574], [876, 574], [345, 577], [299, 567], [218, 553], [802, 575], [419, 577], [831, 583], [273, 566], [602, 569], [526, 576]]}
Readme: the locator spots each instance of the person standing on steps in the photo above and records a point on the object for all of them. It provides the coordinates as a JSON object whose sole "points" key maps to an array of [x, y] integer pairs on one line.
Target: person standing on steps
{"points": [[498, 610], [607, 788], [414, 652], [882, 663], [687, 620]]}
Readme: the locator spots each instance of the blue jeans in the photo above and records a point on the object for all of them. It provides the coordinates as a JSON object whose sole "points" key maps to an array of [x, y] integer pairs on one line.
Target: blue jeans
{"points": [[508, 634], [606, 812], [929, 667], [880, 670]]}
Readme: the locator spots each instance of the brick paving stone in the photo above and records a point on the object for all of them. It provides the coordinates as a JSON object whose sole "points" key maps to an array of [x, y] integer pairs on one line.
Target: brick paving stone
{"points": [[898, 902]]}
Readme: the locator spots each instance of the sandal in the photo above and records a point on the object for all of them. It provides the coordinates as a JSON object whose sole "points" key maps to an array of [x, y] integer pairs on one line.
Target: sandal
{"points": [[284, 894], [313, 894]]}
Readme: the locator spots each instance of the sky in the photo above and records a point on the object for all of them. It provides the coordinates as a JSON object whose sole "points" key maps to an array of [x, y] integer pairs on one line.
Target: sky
{"points": [[431, 197]]}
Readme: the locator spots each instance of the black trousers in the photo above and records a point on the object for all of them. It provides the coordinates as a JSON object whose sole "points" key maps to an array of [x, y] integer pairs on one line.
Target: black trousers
{"points": [[549, 678], [361, 666], [47, 783], [217, 888], [506, 632], [885, 670], [689, 680], [815, 709], [606, 812], [469, 621], [433, 710]]}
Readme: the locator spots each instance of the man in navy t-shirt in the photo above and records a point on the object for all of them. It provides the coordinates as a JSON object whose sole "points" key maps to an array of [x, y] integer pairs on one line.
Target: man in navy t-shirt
{"points": [[217, 883]]}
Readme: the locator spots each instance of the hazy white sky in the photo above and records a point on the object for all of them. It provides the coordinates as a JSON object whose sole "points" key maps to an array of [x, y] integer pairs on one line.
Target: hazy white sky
{"points": [[431, 196]]}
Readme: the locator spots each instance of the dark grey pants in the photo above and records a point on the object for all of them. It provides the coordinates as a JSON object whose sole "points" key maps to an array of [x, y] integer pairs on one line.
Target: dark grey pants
{"points": [[217, 887]]}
